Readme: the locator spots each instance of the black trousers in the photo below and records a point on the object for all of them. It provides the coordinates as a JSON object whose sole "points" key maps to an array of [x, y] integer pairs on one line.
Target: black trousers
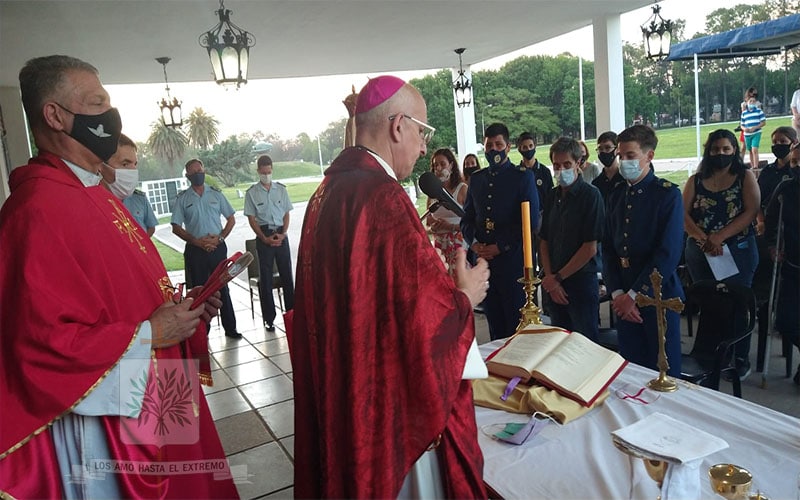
{"points": [[282, 256], [199, 266]]}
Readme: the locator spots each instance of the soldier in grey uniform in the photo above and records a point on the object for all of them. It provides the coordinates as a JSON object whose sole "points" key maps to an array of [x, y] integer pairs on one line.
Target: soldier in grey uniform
{"points": [[121, 177], [199, 210], [267, 206]]}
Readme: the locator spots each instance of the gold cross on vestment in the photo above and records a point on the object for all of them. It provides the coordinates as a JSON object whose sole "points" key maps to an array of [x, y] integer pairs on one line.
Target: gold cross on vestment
{"points": [[127, 227], [661, 305]]}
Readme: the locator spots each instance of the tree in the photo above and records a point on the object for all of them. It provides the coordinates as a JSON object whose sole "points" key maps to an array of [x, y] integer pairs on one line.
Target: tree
{"points": [[167, 143], [230, 161], [203, 129]]}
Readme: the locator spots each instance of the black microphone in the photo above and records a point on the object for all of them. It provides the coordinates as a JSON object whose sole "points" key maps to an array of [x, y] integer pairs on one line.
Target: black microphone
{"points": [[432, 186]]}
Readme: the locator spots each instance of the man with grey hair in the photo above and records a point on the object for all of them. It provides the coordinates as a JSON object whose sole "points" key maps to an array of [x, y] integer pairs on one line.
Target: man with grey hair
{"points": [[381, 331], [89, 344]]}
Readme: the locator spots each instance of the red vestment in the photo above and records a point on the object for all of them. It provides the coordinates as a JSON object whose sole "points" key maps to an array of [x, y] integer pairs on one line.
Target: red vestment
{"points": [[379, 342], [77, 276]]}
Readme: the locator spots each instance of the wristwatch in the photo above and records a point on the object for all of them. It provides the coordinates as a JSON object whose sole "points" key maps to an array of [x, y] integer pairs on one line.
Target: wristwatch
{"points": [[221, 238]]}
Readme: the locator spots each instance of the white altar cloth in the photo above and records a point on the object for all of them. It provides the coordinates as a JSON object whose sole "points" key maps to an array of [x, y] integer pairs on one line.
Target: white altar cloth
{"points": [[579, 461]]}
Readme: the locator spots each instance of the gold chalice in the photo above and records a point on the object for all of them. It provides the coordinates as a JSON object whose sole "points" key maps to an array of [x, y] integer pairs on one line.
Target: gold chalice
{"points": [[656, 469], [730, 481]]}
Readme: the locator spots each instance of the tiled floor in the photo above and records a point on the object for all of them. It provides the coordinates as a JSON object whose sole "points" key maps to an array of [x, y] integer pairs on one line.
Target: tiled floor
{"points": [[251, 400]]}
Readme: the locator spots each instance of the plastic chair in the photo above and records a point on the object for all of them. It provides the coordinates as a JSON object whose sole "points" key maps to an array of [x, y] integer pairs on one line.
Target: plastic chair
{"points": [[727, 316], [254, 276]]}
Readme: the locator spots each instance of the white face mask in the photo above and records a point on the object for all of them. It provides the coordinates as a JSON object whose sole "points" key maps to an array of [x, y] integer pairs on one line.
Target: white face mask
{"points": [[630, 169], [265, 178], [444, 175], [126, 182]]}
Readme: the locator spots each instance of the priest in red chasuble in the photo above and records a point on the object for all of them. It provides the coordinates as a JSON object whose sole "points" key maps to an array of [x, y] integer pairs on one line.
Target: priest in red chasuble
{"points": [[99, 367], [381, 332]]}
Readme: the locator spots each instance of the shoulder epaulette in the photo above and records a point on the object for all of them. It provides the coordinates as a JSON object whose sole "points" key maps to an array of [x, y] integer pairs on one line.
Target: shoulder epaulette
{"points": [[280, 183], [522, 168], [215, 188], [480, 172], [180, 193], [139, 191], [666, 184]]}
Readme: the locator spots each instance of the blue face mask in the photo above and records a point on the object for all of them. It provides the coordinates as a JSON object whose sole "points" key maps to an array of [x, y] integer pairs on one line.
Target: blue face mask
{"points": [[566, 177], [751, 107], [630, 169], [495, 158], [529, 154]]}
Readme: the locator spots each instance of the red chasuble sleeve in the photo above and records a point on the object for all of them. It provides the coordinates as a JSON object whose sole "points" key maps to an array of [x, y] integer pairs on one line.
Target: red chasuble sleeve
{"points": [[380, 340]]}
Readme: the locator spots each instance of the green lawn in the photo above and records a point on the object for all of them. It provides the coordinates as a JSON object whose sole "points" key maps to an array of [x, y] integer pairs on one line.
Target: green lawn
{"points": [[173, 260], [672, 143]]}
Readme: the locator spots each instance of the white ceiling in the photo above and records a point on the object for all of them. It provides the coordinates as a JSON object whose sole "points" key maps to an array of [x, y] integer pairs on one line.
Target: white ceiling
{"points": [[294, 37]]}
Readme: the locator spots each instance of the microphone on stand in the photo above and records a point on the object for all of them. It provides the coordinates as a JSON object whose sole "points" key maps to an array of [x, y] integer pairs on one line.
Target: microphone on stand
{"points": [[432, 186]]}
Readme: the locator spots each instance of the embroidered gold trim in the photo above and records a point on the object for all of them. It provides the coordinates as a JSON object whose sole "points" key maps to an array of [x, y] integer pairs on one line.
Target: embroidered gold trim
{"points": [[69, 410], [435, 444], [206, 379]]}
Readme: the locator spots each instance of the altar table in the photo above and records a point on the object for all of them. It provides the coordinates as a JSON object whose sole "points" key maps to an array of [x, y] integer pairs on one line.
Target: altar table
{"points": [[579, 461]]}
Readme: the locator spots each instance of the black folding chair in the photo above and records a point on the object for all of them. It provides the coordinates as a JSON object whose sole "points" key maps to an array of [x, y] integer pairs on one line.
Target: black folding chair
{"points": [[727, 316]]}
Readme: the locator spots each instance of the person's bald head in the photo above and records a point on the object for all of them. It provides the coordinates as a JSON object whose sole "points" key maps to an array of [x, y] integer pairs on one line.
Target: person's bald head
{"points": [[389, 128]]}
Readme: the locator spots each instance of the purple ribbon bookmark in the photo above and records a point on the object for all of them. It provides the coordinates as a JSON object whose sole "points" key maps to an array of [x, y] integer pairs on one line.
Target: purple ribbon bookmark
{"points": [[510, 387]]}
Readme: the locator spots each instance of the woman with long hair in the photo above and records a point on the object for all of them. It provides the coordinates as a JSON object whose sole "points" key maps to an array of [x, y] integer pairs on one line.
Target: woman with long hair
{"points": [[443, 223], [720, 205]]}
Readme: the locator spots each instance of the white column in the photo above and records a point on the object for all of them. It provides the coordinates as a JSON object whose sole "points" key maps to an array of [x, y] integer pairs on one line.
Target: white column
{"points": [[465, 122], [15, 147], [609, 90]]}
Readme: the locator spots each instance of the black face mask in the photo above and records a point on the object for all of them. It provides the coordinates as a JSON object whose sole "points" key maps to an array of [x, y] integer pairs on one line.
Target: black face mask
{"points": [[529, 154], [781, 151], [197, 178], [97, 133], [717, 162], [607, 159]]}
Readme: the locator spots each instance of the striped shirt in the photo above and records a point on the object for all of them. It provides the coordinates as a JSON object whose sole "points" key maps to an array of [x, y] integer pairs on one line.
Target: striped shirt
{"points": [[752, 119]]}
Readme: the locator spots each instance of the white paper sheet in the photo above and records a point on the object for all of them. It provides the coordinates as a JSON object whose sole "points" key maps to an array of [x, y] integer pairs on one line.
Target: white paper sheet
{"points": [[662, 437], [723, 266]]}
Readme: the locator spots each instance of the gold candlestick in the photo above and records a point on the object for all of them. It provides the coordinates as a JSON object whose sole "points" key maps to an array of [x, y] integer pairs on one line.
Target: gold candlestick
{"points": [[530, 312], [663, 383]]}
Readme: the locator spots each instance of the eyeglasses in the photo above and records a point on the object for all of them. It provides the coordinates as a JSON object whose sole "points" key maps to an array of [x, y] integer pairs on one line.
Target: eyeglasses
{"points": [[425, 131]]}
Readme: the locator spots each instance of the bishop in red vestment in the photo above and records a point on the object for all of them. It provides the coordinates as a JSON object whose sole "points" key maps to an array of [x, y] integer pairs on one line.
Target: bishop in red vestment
{"points": [[381, 331], [78, 277]]}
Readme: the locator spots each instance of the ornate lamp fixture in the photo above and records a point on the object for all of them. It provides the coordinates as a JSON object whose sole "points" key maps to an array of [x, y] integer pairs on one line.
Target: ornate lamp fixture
{"points": [[170, 106], [657, 33], [228, 49], [462, 86]]}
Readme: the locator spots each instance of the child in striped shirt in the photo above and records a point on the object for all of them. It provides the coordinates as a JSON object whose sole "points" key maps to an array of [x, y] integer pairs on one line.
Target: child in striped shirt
{"points": [[753, 120]]}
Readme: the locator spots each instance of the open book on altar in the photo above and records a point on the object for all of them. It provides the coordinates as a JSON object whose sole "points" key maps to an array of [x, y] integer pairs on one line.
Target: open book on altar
{"points": [[568, 363]]}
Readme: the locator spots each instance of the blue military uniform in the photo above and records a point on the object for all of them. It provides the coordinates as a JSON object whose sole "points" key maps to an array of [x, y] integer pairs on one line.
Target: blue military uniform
{"points": [[543, 178], [644, 230], [200, 216], [492, 215], [269, 207], [139, 206]]}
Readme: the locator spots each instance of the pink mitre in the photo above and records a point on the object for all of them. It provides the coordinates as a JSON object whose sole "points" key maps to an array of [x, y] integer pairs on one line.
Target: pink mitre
{"points": [[377, 91]]}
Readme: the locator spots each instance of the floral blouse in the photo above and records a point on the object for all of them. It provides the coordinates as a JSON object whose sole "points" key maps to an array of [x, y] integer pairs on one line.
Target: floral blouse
{"points": [[712, 211]]}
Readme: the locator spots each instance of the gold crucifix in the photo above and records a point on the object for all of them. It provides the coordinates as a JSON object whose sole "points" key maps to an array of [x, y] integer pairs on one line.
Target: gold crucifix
{"points": [[662, 383]]}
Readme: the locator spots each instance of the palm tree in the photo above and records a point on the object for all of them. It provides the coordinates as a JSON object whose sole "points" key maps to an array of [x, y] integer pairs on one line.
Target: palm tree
{"points": [[167, 143], [203, 131]]}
